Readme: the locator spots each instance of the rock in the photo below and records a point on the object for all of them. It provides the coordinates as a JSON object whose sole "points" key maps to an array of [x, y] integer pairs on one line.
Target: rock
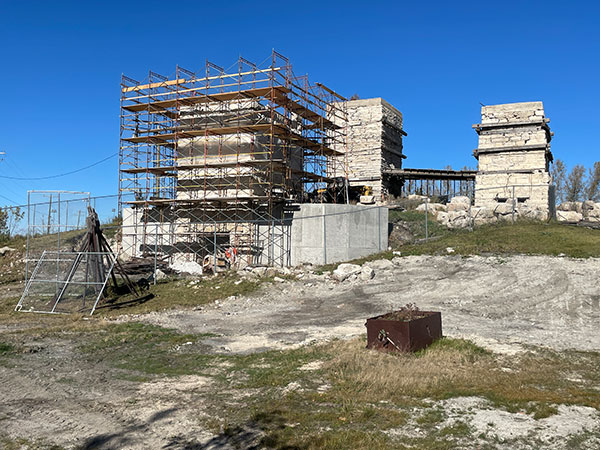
{"points": [[366, 274], [271, 272], [459, 203], [589, 209], [531, 213], [568, 216], [449, 250], [279, 280], [190, 267], [367, 199], [345, 270], [431, 207], [380, 264], [400, 234], [259, 271], [160, 275], [417, 197], [396, 260], [570, 206], [4, 250], [442, 217], [481, 212], [458, 219], [504, 208]]}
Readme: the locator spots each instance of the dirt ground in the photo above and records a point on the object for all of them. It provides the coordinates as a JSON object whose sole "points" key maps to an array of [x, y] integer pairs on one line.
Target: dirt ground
{"points": [[54, 395], [499, 302]]}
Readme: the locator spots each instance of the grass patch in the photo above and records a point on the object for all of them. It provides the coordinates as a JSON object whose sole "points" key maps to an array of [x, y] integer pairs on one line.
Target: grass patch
{"points": [[415, 222], [5, 348], [532, 238], [371, 392], [170, 294], [147, 349]]}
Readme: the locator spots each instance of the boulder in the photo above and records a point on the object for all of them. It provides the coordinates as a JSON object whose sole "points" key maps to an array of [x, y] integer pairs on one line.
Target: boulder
{"points": [[345, 271], [568, 216], [191, 267], [380, 264], [4, 250], [504, 208], [589, 209], [442, 217], [367, 199], [459, 203], [532, 213], [400, 234], [570, 206], [366, 274], [259, 271], [478, 221], [160, 275], [431, 207], [481, 212], [417, 197]]}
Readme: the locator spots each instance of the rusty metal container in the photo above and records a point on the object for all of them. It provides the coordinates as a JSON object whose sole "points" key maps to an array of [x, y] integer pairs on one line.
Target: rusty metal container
{"points": [[388, 334]]}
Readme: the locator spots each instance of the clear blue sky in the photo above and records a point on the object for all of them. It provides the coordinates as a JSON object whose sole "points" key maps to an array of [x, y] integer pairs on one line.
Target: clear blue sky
{"points": [[61, 64]]}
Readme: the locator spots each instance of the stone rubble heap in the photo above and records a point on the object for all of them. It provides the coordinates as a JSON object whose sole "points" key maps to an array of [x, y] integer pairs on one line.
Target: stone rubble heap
{"points": [[574, 212], [459, 213]]}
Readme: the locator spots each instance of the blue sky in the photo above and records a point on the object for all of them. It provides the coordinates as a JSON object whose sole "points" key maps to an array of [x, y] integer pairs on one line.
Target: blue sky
{"points": [[61, 64]]}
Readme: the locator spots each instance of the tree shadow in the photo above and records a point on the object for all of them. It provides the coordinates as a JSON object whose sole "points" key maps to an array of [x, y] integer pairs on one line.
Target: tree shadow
{"points": [[262, 431], [123, 438]]}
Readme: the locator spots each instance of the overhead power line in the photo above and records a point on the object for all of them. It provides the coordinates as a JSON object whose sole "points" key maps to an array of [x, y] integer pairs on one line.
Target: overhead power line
{"points": [[60, 174]]}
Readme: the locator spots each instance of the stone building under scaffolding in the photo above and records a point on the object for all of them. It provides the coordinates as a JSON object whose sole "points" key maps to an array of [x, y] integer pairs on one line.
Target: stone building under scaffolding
{"points": [[219, 163]]}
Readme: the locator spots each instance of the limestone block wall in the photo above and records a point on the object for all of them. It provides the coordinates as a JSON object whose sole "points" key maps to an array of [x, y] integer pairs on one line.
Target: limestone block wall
{"points": [[374, 142], [514, 157]]}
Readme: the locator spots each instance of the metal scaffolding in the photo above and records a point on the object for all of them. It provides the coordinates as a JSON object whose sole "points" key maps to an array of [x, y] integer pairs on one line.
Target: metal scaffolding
{"points": [[210, 164]]}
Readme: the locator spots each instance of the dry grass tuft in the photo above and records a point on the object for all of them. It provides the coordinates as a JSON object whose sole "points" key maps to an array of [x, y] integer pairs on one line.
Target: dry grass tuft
{"points": [[452, 368]]}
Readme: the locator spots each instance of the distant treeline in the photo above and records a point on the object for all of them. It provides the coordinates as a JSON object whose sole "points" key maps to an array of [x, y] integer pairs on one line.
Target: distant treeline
{"points": [[577, 185]]}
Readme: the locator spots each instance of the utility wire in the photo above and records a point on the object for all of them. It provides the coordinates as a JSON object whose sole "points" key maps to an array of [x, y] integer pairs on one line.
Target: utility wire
{"points": [[60, 174], [6, 198]]}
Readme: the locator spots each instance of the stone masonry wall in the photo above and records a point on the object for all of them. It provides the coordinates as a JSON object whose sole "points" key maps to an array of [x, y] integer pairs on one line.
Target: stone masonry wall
{"points": [[374, 142], [514, 156]]}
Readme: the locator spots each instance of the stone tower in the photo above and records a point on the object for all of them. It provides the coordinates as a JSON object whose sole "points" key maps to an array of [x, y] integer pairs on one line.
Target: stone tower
{"points": [[514, 157], [374, 144]]}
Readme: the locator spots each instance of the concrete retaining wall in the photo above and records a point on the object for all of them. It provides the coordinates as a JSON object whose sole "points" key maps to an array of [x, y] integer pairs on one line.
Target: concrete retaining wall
{"points": [[328, 233]]}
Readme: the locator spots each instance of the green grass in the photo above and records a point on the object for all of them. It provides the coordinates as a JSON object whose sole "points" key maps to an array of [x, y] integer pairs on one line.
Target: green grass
{"points": [[171, 294], [147, 349], [415, 221], [531, 238], [5, 348], [369, 392]]}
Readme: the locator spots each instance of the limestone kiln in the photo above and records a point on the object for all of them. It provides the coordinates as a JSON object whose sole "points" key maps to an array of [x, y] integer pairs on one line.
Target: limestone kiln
{"points": [[514, 157]]}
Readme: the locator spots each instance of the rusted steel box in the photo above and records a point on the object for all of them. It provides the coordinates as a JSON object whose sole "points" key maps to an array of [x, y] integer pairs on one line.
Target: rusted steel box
{"points": [[411, 335]]}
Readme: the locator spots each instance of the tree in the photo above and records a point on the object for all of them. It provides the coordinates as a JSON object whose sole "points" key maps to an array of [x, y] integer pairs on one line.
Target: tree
{"points": [[559, 175], [575, 185], [9, 217], [593, 184]]}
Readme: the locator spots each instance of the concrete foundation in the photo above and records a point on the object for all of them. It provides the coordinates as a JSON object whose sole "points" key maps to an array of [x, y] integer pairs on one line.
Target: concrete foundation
{"points": [[329, 233]]}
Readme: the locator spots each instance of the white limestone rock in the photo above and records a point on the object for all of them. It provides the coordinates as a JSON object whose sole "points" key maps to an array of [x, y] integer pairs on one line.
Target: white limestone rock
{"points": [[431, 207], [570, 206], [503, 208], [345, 270], [459, 203], [4, 250], [380, 264], [568, 216], [589, 209], [366, 274]]}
